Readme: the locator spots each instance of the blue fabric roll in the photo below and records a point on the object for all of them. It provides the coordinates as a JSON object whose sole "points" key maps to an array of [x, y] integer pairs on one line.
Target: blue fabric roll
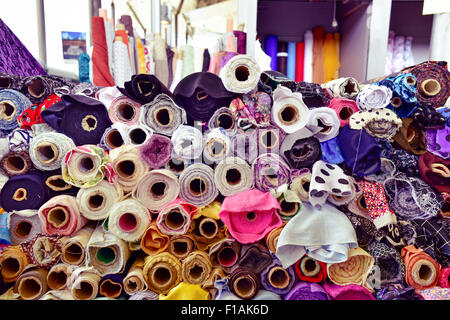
{"points": [[5, 240], [292, 56], [331, 152], [12, 104], [83, 67], [405, 91], [272, 50]]}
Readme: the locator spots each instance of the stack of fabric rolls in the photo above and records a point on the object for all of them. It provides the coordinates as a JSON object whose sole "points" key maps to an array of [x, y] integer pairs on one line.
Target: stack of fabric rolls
{"points": [[242, 185]]}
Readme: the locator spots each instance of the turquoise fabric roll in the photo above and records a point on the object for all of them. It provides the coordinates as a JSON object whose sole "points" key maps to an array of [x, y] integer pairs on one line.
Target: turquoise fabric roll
{"points": [[292, 55]]}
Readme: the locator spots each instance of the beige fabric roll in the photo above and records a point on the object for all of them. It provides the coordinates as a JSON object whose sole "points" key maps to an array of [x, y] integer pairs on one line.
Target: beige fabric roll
{"points": [[162, 272], [32, 283], [58, 275], [83, 283], [196, 267], [73, 250], [181, 246], [216, 274], [272, 238], [134, 281], [57, 295], [300, 185], [12, 261]]}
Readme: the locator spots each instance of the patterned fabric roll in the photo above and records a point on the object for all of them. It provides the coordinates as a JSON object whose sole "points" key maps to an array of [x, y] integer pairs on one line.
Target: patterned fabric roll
{"points": [[433, 80], [43, 250], [157, 151], [47, 150], [12, 105], [162, 272], [197, 185], [175, 218], [380, 123], [128, 220], [310, 270], [252, 110], [23, 225], [422, 271], [270, 171], [372, 97], [313, 94], [125, 110], [343, 87], [388, 265]]}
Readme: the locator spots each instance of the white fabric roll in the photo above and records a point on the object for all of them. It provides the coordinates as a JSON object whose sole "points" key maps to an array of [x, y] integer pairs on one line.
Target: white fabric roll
{"points": [[373, 97], [308, 69], [240, 74], [185, 135], [121, 64], [216, 145], [325, 122]]}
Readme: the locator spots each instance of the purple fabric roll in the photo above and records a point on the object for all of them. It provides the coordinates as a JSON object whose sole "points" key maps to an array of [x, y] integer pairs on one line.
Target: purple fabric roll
{"points": [[275, 272], [143, 88], [128, 23], [15, 57], [438, 142], [227, 57], [282, 57], [307, 291], [270, 172], [114, 288], [245, 146], [254, 257], [271, 49], [348, 292], [157, 151], [360, 151], [241, 41], [170, 55]]}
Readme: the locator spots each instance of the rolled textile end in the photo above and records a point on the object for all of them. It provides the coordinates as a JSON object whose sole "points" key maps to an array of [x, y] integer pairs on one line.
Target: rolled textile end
{"points": [[310, 270], [162, 272], [111, 286], [125, 110], [277, 279], [50, 244], [343, 87], [300, 184], [157, 151], [134, 281], [73, 250], [153, 241], [372, 97], [225, 253], [138, 135], [240, 74], [233, 175], [115, 136], [270, 172], [269, 139], [181, 246], [32, 283], [245, 284], [16, 163], [225, 119], [128, 220], [216, 274], [196, 267], [444, 277], [177, 165], [197, 185], [187, 142], [13, 261], [23, 225], [83, 283], [47, 150], [272, 238], [175, 218], [58, 275], [216, 146], [344, 108], [422, 271]]}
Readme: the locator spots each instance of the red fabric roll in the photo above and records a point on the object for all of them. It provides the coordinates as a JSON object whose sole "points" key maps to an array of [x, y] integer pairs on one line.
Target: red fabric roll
{"points": [[100, 67], [317, 274], [300, 61]]}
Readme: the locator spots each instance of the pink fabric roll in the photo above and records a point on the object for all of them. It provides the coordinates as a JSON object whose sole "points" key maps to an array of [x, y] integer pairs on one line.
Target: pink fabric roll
{"points": [[348, 292], [443, 278], [61, 215], [250, 215], [124, 110], [344, 108]]}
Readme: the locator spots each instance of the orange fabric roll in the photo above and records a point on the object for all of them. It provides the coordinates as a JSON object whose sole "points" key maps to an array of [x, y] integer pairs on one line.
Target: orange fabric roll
{"points": [[422, 271], [153, 241], [318, 58], [13, 261]]}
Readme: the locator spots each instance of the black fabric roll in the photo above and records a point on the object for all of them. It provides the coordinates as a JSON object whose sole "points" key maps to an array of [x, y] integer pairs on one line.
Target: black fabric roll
{"points": [[282, 57], [143, 88], [56, 185], [313, 94], [272, 79], [9, 81], [206, 60], [201, 94], [301, 152]]}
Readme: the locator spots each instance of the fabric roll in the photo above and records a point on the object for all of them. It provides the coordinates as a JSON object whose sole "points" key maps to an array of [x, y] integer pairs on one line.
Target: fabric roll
{"points": [[101, 68], [277, 279], [201, 94], [26, 191], [434, 171], [156, 189], [128, 165], [291, 59], [154, 241], [106, 95], [299, 61], [240, 74], [19, 139], [250, 215], [36, 88], [310, 270], [57, 276], [12, 105], [95, 202], [325, 121], [134, 281], [162, 272], [301, 236], [175, 218], [271, 239], [144, 88], [162, 115], [271, 48], [318, 55], [157, 151], [32, 283], [289, 111], [389, 263], [252, 110], [61, 215], [225, 119], [128, 220], [437, 143], [282, 57], [216, 274], [331, 57], [9, 81], [43, 250], [177, 165], [308, 60], [269, 139], [206, 60], [86, 166], [225, 254], [216, 146], [435, 293], [411, 137], [245, 146], [185, 291], [331, 152], [13, 262], [84, 61], [187, 142], [81, 118], [428, 118], [313, 94], [196, 267], [367, 158], [348, 292], [433, 79], [343, 87], [270, 171], [73, 249], [372, 97], [397, 292], [244, 283], [144, 295], [111, 286], [16, 163], [47, 150], [355, 270], [382, 123], [138, 135], [121, 62], [344, 108], [443, 278], [32, 115], [181, 246], [83, 283], [197, 185], [307, 291], [125, 110], [300, 185], [422, 271], [23, 225], [289, 202], [106, 253], [404, 91], [207, 228], [232, 176]]}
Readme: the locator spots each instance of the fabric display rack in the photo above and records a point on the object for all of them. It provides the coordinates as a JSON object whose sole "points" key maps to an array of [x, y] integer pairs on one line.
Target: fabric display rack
{"points": [[193, 173]]}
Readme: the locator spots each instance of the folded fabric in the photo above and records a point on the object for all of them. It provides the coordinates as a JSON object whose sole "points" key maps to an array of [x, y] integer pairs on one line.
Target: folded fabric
{"points": [[432, 83], [12, 105], [313, 95], [372, 97], [47, 150], [32, 115], [270, 171], [233, 175], [162, 272], [310, 270], [156, 151], [216, 146], [175, 218], [434, 170], [32, 283], [324, 122], [13, 261], [347, 292], [225, 119], [144, 88], [307, 291], [162, 115], [388, 265], [86, 166], [277, 279], [289, 112], [128, 220], [379, 123], [302, 235], [240, 74], [79, 117], [437, 142], [43, 250], [250, 215], [244, 284], [197, 185], [73, 249], [422, 271], [185, 291], [252, 110], [344, 108], [428, 118], [187, 142], [343, 87]]}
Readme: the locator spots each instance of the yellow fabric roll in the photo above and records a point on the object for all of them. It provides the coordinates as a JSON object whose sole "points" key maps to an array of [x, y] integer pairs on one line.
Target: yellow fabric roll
{"points": [[330, 57], [186, 291], [337, 42], [141, 55], [210, 211]]}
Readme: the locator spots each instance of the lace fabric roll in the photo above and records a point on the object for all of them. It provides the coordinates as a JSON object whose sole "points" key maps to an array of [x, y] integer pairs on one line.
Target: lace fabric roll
{"points": [[382, 123], [86, 166], [250, 215], [61, 215], [134, 280], [156, 151], [232, 176], [23, 225], [196, 267], [187, 142], [313, 94], [343, 87], [95, 202], [197, 185], [344, 108], [124, 110], [79, 117], [162, 272], [355, 270], [175, 218], [310, 270], [83, 283], [240, 74], [181, 246], [216, 146], [324, 122], [435, 171], [270, 171], [47, 150], [32, 283], [162, 115], [144, 88], [13, 262], [156, 189], [225, 254], [391, 269], [106, 253], [43, 250], [12, 105], [277, 279], [225, 119], [422, 271], [16, 163], [128, 220], [73, 249], [244, 283], [372, 97], [154, 241], [307, 291], [58, 275], [245, 146]]}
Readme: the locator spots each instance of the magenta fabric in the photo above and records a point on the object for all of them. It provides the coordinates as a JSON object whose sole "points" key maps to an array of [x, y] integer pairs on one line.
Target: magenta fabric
{"points": [[348, 292], [250, 215], [344, 108], [443, 278]]}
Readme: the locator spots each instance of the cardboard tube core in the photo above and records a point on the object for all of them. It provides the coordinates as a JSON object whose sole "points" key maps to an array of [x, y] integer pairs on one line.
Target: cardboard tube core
{"points": [[431, 87], [242, 73], [36, 88], [58, 216], [164, 117], [288, 115], [279, 277], [47, 152], [29, 288]]}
